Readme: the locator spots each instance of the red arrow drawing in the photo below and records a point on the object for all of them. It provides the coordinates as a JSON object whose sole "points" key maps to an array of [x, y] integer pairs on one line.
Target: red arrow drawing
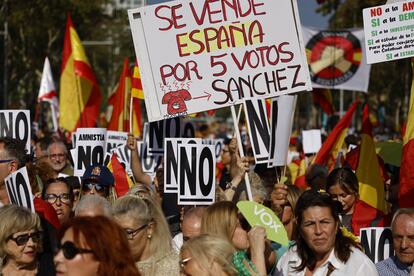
{"points": [[207, 95]]}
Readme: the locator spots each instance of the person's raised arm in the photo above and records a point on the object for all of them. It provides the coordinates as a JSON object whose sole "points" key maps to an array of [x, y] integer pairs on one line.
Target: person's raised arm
{"points": [[136, 167]]}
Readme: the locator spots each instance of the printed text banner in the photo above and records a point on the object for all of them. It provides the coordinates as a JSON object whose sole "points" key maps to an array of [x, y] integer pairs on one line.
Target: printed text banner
{"points": [[201, 55]]}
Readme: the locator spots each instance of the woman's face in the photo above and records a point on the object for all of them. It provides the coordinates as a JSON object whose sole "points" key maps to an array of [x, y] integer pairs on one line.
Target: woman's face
{"points": [[58, 195], [318, 229], [190, 267], [82, 264], [137, 234], [24, 252], [240, 239], [347, 200]]}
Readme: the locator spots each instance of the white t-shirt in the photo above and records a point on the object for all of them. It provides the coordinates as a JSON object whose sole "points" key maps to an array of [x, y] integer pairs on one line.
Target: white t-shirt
{"points": [[357, 264], [178, 242]]}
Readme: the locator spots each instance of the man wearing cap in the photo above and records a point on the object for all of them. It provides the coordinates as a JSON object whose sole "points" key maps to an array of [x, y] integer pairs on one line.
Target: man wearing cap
{"points": [[97, 180]]}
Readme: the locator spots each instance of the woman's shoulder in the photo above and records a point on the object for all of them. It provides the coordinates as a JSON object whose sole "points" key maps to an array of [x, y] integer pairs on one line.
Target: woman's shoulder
{"points": [[358, 259]]}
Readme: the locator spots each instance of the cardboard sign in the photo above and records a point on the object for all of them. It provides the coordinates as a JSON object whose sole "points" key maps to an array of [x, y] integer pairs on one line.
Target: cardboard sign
{"points": [[218, 146], [171, 164], [389, 31], [124, 157], [171, 128], [259, 132], [281, 120], [200, 55], [19, 189], [16, 124], [377, 243], [114, 139], [149, 163], [196, 174], [257, 214], [311, 140], [90, 148]]}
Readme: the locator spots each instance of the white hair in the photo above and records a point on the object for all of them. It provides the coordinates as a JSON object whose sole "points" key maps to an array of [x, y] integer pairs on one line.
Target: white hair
{"points": [[90, 203]]}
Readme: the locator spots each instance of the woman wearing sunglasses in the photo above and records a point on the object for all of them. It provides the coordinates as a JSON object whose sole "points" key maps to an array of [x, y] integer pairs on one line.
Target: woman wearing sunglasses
{"points": [[20, 241], [254, 255], [148, 235], [93, 246]]}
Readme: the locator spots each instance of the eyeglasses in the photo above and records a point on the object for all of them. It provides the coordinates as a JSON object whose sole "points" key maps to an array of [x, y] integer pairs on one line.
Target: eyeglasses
{"points": [[132, 233], [58, 155], [69, 250], [64, 198], [98, 187], [23, 239], [6, 160]]}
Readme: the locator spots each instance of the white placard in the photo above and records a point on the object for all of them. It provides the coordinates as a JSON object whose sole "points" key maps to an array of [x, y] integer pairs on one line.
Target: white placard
{"points": [[124, 157], [196, 174], [171, 161], [149, 163], [389, 31], [218, 146], [200, 55], [311, 140], [90, 148], [19, 189], [377, 243], [16, 124], [281, 120], [259, 131]]}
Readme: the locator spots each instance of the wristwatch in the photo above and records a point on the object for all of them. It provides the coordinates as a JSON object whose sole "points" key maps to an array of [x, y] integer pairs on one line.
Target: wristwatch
{"points": [[230, 185]]}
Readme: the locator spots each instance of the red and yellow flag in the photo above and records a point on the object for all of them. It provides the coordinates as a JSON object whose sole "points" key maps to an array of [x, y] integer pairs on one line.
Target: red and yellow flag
{"points": [[137, 95], [328, 153], [406, 189], [120, 101], [122, 181], [323, 98], [80, 96]]}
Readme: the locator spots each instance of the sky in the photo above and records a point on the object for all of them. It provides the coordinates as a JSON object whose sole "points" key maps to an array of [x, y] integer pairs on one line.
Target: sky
{"points": [[307, 13]]}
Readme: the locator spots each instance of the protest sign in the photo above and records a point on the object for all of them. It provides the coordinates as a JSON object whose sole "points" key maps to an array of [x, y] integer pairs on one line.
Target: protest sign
{"points": [[218, 146], [19, 189], [124, 157], [377, 243], [171, 165], [201, 55], [258, 125], [16, 124], [170, 128], [114, 139], [257, 214], [150, 163], [389, 31], [281, 120], [90, 148], [196, 174], [311, 140], [337, 59]]}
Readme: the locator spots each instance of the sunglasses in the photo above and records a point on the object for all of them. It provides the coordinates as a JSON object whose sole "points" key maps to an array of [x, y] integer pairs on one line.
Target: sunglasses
{"points": [[23, 239], [98, 187], [70, 251]]}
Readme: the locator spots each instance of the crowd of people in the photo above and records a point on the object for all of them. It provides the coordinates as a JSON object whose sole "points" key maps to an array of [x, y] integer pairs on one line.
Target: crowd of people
{"points": [[81, 227]]}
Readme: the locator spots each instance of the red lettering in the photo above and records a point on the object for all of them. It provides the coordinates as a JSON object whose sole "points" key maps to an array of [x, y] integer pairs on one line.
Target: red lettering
{"points": [[171, 18], [181, 45], [179, 72], [376, 11], [282, 51]]}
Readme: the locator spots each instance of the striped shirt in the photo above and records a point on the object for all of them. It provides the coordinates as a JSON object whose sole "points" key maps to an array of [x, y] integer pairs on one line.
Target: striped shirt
{"points": [[392, 267]]}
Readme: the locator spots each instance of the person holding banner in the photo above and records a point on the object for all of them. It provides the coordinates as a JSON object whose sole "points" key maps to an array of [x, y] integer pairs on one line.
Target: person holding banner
{"points": [[320, 247], [148, 235], [139, 175], [207, 255], [20, 241]]}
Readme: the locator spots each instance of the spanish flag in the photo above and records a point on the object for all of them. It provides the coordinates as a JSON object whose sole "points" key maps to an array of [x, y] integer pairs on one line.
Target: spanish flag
{"points": [[120, 101], [80, 97], [137, 95], [328, 153], [122, 181], [371, 207], [406, 189], [323, 98]]}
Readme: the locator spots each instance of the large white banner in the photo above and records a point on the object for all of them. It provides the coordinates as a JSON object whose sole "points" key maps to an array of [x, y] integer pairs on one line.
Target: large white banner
{"points": [[201, 55], [337, 58], [16, 124]]}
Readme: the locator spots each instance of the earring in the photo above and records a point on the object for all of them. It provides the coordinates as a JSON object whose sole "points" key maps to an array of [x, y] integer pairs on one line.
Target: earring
{"points": [[149, 236]]}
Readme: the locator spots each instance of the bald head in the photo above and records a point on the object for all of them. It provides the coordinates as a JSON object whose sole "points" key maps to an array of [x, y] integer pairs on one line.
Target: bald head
{"points": [[192, 223]]}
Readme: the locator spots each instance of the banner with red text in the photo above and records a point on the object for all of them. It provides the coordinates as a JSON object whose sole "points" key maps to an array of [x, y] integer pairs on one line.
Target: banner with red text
{"points": [[201, 55]]}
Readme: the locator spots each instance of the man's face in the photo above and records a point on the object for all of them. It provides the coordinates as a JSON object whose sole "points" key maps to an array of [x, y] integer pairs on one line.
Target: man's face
{"points": [[191, 228], [403, 237], [57, 157]]}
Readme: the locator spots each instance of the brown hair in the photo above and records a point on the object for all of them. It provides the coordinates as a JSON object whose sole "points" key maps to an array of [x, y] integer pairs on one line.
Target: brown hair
{"points": [[345, 178], [107, 240]]}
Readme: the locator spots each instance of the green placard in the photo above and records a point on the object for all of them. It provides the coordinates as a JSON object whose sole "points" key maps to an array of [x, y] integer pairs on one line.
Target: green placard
{"points": [[257, 214]]}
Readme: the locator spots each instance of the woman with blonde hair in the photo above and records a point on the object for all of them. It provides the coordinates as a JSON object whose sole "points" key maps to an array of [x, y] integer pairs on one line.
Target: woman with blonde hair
{"points": [[148, 235], [254, 255], [20, 241], [207, 255]]}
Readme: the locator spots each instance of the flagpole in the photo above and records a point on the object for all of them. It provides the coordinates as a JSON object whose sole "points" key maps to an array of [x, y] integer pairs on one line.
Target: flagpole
{"points": [[131, 108], [54, 119]]}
